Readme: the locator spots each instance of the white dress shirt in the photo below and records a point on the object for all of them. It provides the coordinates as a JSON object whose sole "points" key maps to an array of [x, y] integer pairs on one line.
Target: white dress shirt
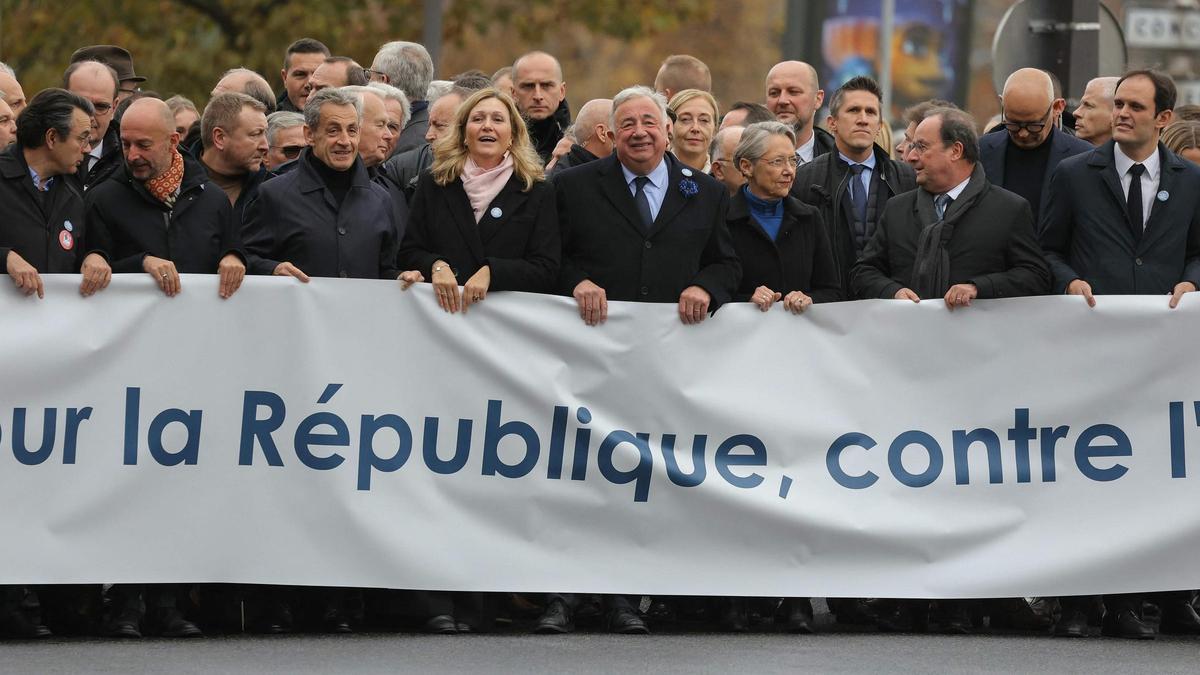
{"points": [[1150, 176], [655, 190]]}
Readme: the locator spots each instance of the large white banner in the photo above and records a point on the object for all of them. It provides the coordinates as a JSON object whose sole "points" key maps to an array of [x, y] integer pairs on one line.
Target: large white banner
{"points": [[348, 433]]}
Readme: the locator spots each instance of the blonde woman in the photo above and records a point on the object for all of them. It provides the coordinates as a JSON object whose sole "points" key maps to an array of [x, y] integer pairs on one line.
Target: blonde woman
{"points": [[695, 125], [483, 216], [1182, 137]]}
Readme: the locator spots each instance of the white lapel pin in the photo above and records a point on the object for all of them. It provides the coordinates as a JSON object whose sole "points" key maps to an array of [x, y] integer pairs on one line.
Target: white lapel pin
{"points": [[496, 212], [1163, 195], [686, 172], [68, 226]]}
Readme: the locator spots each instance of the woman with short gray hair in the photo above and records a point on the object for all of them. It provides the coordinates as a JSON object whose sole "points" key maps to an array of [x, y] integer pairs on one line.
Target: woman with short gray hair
{"points": [[782, 242]]}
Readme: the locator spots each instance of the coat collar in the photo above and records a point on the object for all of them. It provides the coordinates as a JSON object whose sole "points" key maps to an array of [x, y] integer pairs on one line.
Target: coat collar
{"points": [[309, 180]]}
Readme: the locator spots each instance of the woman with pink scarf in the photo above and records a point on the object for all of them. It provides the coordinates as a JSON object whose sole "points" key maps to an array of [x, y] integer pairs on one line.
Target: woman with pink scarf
{"points": [[483, 218]]}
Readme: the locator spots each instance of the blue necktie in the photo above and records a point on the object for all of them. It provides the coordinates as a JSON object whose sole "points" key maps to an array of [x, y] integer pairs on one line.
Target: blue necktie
{"points": [[940, 204], [858, 194], [643, 202]]}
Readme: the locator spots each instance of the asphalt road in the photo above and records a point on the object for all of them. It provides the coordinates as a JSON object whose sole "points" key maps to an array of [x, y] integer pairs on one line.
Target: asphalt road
{"points": [[599, 652]]}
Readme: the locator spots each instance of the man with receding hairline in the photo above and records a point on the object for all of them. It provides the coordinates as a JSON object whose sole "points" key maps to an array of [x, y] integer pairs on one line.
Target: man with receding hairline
{"points": [[1093, 117], [721, 152], [541, 96], [591, 136], [233, 138], [99, 84], [1022, 158], [13, 93], [794, 97]]}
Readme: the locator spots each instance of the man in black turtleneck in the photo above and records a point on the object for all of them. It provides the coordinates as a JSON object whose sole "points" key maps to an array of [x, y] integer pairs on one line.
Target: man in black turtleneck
{"points": [[326, 218], [1022, 156], [541, 97]]}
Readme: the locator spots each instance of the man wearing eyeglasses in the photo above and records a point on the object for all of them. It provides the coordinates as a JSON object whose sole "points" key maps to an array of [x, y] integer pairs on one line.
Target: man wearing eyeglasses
{"points": [[97, 83], [1022, 157]]}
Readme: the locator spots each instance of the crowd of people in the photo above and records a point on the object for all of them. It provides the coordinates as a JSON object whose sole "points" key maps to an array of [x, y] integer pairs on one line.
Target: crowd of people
{"points": [[487, 183]]}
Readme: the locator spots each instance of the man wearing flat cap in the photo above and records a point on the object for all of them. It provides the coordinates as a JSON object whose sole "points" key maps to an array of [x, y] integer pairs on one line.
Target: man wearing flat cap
{"points": [[119, 59]]}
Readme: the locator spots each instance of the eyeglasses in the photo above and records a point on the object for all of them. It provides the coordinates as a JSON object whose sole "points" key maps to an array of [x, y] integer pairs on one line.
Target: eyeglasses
{"points": [[368, 72], [1032, 127], [778, 162], [289, 151], [102, 108]]}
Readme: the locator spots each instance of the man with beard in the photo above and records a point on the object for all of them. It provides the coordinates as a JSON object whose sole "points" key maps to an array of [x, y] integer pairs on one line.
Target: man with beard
{"points": [[794, 97]]}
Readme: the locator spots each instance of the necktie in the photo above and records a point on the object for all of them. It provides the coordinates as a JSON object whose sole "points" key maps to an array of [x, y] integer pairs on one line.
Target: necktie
{"points": [[940, 204], [643, 202], [858, 194], [1133, 202]]}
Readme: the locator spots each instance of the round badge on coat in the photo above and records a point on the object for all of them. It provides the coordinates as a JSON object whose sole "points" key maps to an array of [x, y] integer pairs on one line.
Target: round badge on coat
{"points": [[1163, 196], [68, 226], [66, 240], [686, 172], [496, 212]]}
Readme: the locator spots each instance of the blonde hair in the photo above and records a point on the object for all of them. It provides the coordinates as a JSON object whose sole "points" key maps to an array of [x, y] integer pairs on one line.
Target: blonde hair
{"points": [[681, 99], [1181, 135], [884, 138], [450, 151]]}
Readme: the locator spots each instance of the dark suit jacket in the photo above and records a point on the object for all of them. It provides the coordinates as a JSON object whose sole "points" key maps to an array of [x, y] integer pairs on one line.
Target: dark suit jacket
{"points": [[603, 238], [413, 133], [993, 246], [126, 223], [992, 147], [34, 224], [296, 219], [823, 183], [521, 245], [1086, 234], [799, 259], [110, 161]]}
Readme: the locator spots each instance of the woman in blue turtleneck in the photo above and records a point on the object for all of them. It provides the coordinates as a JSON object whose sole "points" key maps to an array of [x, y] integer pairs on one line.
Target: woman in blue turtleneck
{"points": [[782, 243]]}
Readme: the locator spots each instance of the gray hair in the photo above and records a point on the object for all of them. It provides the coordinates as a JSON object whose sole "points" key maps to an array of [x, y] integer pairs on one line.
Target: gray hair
{"points": [[595, 111], [393, 93], [638, 91], [407, 66], [438, 89], [331, 96], [278, 121], [755, 138], [8, 69], [958, 127]]}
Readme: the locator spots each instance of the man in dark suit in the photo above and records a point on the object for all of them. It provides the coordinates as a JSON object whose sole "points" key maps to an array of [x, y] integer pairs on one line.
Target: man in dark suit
{"points": [[852, 186], [325, 218], [160, 214], [1125, 219], [990, 250], [640, 226], [1022, 157], [97, 83]]}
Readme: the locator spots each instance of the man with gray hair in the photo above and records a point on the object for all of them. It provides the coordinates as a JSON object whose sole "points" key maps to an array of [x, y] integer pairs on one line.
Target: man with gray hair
{"points": [[248, 82], [957, 237], [591, 136], [408, 67], [1093, 117], [398, 111], [8, 123], [1023, 159], [721, 152], [14, 95], [325, 218], [285, 140], [374, 141]]}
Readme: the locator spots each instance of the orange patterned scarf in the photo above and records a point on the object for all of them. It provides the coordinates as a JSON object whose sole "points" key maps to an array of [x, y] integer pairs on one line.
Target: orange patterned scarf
{"points": [[165, 186]]}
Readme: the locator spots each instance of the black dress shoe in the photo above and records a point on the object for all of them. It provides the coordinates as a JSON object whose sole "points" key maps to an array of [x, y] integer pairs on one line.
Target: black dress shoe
{"points": [[555, 620], [442, 624], [625, 621], [174, 625], [1126, 624], [334, 621], [1073, 623], [17, 624], [799, 618], [735, 615], [1179, 618], [124, 625]]}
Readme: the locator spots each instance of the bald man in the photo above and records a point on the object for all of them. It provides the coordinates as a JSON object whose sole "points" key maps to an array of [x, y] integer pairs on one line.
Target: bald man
{"points": [[592, 140], [14, 95], [721, 152], [159, 185], [1021, 157], [541, 96], [250, 83], [1093, 117], [98, 83], [794, 97]]}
